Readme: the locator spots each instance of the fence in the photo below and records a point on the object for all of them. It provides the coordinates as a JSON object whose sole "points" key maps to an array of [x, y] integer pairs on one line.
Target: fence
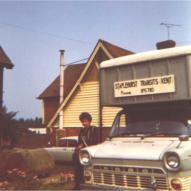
{"points": [[74, 131], [33, 140]]}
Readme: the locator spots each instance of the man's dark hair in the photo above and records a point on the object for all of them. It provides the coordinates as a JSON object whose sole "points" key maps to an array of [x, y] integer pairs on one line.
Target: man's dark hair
{"points": [[85, 115]]}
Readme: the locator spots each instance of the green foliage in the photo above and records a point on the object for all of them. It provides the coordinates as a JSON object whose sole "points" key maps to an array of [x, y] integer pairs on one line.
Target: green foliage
{"points": [[29, 123], [7, 125], [11, 129]]}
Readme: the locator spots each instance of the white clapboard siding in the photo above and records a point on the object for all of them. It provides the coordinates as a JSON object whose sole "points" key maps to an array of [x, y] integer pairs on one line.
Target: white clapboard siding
{"points": [[108, 115], [86, 99]]}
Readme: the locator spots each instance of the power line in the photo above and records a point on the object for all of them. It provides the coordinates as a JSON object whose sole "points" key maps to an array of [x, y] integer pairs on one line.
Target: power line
{"points": [[76, 61], [47, 33]]}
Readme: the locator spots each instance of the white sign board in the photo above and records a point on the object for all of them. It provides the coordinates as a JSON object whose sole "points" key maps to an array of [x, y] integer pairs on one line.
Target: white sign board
{"points": [[145, 86]]}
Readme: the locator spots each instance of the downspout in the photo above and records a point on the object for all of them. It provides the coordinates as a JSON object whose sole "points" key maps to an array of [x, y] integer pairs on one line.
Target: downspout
{"points": [[100, 110], [1, 87], [61, 114]]}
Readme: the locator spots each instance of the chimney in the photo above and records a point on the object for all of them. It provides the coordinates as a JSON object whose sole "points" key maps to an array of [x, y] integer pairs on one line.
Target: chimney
{"points": [[165, 44], [61, 76], [61, 114]]}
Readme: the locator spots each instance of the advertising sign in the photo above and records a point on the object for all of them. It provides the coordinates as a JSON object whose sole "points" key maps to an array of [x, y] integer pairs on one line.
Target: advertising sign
{"points": [[145, 86]]}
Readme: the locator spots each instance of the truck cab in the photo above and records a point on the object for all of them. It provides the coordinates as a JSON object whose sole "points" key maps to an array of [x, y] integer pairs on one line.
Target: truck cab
{"points": [[149, 146]]}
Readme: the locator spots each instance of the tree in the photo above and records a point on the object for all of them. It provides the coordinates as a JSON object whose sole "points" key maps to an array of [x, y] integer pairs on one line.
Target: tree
{"points": [[7, 126], [29, 123]]}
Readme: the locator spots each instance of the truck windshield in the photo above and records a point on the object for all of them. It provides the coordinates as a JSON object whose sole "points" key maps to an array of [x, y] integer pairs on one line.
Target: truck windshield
{"points": [[150, 128]]}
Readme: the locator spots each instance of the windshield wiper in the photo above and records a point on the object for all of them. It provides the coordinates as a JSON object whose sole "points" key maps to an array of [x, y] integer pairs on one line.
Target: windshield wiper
{"points": [[119, 135], [136, 134], [152, 134]]}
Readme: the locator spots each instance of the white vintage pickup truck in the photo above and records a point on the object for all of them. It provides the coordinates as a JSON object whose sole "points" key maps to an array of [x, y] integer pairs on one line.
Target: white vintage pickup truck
{"points": [[149, 146]]}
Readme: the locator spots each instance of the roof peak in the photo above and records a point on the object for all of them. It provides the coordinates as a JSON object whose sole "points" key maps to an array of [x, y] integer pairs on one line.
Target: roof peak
{"points": [[115, 50], [5, 60]]}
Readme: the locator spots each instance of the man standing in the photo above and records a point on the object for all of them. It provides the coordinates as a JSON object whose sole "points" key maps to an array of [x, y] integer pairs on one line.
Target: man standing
{"points": [[88, 135]]}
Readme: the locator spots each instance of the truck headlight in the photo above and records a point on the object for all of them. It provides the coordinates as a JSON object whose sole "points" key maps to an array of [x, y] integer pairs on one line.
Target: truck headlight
{"points": [[172, 161], [85, 158]]}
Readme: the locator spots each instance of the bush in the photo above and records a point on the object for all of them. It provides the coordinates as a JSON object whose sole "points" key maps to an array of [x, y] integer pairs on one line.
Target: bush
{"points": [[25, 162], [7, 127]]}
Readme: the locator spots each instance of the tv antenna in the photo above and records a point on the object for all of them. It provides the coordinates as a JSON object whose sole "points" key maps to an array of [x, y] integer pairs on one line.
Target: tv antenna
{"points": [[168, 26]]}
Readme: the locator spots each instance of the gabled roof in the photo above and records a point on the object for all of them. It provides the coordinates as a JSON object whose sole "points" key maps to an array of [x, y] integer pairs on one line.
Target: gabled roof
{"points": [[112, 51], [71, 74], [4, 59]]}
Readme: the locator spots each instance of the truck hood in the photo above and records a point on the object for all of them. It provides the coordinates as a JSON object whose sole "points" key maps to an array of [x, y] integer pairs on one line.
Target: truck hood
{"points": [[135, 149]]}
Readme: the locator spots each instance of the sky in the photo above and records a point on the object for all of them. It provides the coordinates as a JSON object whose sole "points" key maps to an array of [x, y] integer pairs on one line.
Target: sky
{"points": [[33, 32]]}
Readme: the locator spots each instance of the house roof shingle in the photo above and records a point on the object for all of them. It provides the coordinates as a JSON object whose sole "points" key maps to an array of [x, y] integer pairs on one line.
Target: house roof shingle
{"points": [[71, 75], [4, 59], [114, 50]]}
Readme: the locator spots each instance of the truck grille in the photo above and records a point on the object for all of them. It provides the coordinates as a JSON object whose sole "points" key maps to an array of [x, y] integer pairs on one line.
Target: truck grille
{"points": [[129, 177]]}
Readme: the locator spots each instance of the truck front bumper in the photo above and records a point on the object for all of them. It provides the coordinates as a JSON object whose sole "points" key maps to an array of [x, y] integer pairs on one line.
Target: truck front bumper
{"points": [[99, 187]]}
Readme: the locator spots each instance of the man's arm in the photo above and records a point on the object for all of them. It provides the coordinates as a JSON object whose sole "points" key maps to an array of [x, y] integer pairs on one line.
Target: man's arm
{"points": [[80, 144], [96, 135]]}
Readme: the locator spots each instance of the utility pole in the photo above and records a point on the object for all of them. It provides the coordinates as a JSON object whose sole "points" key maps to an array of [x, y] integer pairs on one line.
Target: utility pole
{"points": [[168, 26]]}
